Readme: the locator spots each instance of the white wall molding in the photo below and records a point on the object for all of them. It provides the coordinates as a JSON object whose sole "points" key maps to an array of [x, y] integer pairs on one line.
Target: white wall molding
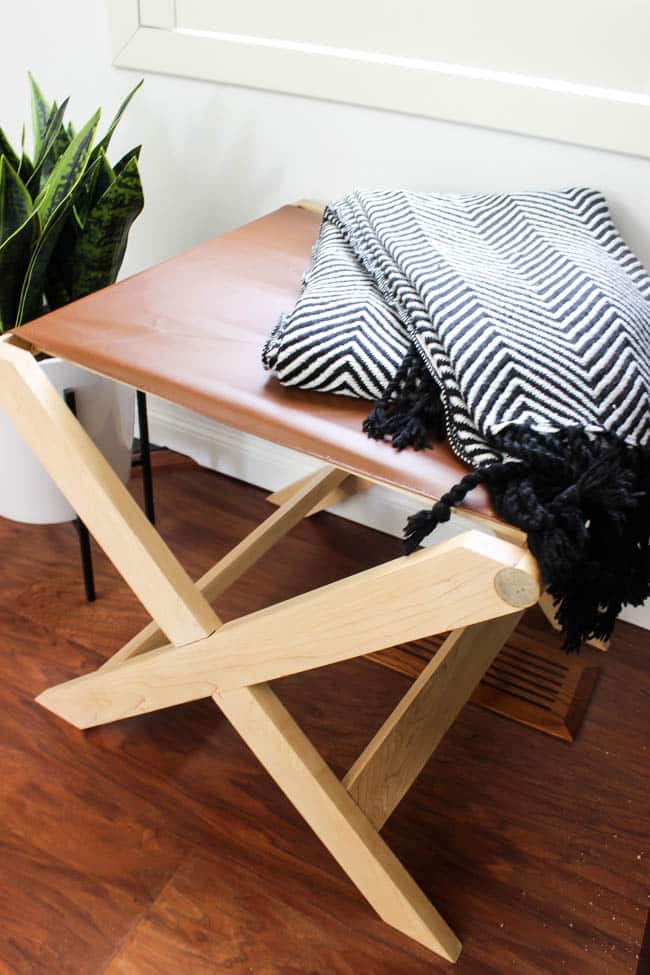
{"points": [[551, 71], [123, 23], [269, 466]]}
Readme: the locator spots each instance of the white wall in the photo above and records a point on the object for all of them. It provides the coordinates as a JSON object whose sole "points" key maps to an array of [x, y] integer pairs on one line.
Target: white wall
{"points": [[215, 156]]}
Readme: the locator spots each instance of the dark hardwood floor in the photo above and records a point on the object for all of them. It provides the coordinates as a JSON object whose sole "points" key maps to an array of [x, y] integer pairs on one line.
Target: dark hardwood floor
{"points": [[158, 846]]}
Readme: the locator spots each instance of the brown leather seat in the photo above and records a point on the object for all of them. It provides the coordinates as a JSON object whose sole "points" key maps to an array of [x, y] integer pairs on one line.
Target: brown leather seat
{"points": [[191, 330]]}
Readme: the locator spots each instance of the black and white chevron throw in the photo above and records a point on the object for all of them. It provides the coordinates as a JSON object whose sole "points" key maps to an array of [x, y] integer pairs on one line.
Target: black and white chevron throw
{"points": [[518, 327]]}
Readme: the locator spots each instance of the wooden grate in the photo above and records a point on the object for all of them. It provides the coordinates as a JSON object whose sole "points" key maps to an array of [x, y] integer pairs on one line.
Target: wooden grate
{"points": [[531, 681]]}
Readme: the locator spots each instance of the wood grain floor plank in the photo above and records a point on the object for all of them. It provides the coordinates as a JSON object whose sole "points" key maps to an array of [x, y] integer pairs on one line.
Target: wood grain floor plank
{"points": [[251, 930], [536, 852]]}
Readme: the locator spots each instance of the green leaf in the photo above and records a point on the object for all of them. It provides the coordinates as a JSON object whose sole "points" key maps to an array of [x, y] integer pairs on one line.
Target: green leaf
{"points": [[20, 228], [96, 180], [104, 142], [61, 143], [15, 202], [14, 259], [53, 206], [100, 248], [7, 151], [60, 271], [127, 157], [52, 133], [105, 177], [40, 113], [55, 290], [26, 168], [67, 172], [30, 303]]}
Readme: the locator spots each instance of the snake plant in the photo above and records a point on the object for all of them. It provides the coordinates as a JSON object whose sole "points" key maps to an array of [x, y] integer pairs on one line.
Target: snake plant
{"points": [[65, 213]]}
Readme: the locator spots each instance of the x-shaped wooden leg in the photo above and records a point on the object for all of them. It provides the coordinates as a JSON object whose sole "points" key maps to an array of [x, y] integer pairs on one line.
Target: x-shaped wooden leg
{"points": [[354, 485], [473, 585]]}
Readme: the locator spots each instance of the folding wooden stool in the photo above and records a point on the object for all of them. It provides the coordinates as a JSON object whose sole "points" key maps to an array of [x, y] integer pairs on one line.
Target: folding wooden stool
{"points": [[191, 331]]}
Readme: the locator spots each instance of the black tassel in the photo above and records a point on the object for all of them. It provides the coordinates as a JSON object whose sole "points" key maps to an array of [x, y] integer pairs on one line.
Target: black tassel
{"points": [[422, 523], [584, 502], [410, 412]]}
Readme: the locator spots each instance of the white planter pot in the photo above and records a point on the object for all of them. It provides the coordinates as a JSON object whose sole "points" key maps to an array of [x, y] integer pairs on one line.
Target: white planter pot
{"points": [[105, 409]]}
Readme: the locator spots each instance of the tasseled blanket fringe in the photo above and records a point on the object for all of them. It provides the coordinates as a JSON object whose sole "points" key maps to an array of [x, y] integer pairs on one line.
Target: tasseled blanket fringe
{"points": [[582, 499]]}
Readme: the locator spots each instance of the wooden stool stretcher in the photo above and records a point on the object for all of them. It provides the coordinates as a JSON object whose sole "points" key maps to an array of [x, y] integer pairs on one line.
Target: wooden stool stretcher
{"points": [[475, 585]]}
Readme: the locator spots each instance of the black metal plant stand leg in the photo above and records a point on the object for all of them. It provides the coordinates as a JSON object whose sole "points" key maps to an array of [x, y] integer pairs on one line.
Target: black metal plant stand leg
{"points": [[82, 531], [145, 456], [144, 460]]}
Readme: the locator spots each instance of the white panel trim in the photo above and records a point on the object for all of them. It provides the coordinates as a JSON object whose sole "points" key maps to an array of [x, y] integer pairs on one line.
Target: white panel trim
{"points": [[566, 111], [123, 22], [158, 13], [271, 467]]}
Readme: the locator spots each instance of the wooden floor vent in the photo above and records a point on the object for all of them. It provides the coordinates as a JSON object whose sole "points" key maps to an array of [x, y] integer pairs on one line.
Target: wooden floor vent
{"points": [[532, 681]]}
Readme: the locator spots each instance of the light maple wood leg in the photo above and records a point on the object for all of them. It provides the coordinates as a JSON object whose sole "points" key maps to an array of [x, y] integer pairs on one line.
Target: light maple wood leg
{"points": [[389, 765], [233, 565], [468, 579], [290, 758], [350, 485], [355, 484], [100, 499], [460, 582]]}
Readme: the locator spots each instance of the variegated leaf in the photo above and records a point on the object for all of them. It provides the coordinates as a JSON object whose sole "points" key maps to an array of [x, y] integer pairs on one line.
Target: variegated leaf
{"points": [[127, 157], [30, 303], [67, 172], [19, 228], [40, 113], [15, 202], [100, 247], [6, 149], [52, 135], [104, 142]]}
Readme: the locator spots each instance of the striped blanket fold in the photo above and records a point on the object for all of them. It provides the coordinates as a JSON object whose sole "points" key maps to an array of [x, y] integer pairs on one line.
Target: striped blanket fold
{"points": [[518, 328]]}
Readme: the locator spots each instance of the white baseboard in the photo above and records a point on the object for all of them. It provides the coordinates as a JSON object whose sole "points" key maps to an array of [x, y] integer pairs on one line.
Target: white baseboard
{"points": [[269, 466]]}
